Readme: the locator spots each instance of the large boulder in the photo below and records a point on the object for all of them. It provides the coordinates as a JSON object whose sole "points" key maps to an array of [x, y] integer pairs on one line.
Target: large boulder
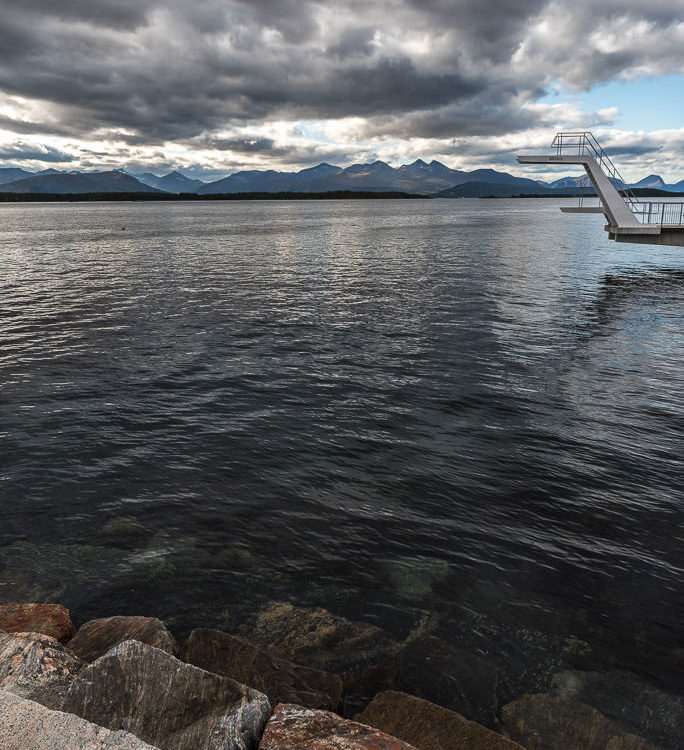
{"points": [[428, 726], [50, 619], [457, 679], [297, 728], [96, 637], [546, 722], [362, 654], [37, 667], [283, 681], [166, 702], [25, 725]]}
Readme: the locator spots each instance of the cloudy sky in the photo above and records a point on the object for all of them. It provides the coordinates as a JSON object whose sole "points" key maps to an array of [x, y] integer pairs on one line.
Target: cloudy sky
{"points": [[214, 86]]}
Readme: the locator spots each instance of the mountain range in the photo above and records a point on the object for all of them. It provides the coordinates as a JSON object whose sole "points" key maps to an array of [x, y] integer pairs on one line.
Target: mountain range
{"points": [[433, 179], [64, 183]]}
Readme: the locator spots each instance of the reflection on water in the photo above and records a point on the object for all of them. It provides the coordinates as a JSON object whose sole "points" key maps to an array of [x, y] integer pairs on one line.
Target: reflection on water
{"points": [[462, 413]]}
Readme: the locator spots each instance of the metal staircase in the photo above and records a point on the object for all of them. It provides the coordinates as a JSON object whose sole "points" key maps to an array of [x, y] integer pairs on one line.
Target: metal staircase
{"points": [[586, 143]]}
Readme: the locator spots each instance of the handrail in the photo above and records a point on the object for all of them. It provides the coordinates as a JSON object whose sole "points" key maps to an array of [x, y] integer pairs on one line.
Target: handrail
{"points": [[664, 213], [586, 143]]}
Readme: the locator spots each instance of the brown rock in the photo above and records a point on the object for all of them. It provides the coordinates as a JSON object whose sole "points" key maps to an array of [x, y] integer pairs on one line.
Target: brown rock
{"points": [[97, 637], [297, 728], [545, 722], [50, 619], [283, 681], [428, 726], [25, 725], [454, 678], [361, 653], [166, 702], [37, 667]]}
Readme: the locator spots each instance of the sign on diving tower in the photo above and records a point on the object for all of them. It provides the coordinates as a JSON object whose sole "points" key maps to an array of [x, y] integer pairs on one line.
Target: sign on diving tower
{"points": [[629, 219]]}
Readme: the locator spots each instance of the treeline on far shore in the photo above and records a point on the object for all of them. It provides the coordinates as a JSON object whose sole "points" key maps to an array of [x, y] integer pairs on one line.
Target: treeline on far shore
{"points": [[284, 196], [636, 192]]}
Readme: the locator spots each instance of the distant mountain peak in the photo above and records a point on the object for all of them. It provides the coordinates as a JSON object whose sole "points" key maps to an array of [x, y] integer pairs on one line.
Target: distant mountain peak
{"points": [[653, 180]]}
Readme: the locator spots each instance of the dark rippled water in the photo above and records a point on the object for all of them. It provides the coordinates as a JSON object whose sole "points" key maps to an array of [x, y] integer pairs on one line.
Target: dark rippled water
{"points": [[468, 409]]}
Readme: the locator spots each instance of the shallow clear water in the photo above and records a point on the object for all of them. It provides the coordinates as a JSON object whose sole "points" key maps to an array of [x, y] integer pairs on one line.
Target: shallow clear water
{"points": [[387, 408]]}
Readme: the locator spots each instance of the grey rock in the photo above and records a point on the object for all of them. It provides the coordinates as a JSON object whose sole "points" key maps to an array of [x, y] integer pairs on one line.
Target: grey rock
{"points": [[96, 637], [25, 725], [283, 681], [166, 702], [546, 722], [37, 667]]}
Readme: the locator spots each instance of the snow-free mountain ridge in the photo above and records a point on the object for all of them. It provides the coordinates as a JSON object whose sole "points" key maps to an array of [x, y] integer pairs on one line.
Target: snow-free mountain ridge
{"points": [[418, 177]]}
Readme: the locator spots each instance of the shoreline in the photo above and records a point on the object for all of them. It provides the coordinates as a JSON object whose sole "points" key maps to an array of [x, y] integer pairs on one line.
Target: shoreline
{"points": [[297, 677], [165, 197]]}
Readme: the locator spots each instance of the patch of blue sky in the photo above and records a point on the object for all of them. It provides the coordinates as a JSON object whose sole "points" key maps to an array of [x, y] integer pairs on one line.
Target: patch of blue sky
{"points": [[313, 130], [653, 103]]}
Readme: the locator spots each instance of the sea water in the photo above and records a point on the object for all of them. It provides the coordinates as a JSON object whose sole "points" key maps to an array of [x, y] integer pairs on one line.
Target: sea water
{"points": [[462, 412]]}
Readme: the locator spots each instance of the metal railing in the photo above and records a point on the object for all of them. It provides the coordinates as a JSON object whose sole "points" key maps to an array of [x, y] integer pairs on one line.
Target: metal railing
{"points": [[663, 213], [585, 143]]}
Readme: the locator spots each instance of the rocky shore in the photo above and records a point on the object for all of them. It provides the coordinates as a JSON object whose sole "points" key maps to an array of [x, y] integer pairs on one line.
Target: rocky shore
{"points": [[295, 678]]}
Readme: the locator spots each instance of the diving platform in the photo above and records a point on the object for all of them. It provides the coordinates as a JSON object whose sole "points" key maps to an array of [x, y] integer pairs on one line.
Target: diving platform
{"points": [[629, 219]]}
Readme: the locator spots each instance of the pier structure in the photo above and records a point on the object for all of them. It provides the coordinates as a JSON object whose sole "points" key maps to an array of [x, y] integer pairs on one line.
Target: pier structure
{"points": [[629, 219]]}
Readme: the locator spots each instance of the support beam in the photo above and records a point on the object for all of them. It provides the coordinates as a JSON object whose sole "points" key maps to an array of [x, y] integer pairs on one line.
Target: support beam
{"points": [[616, 210]]}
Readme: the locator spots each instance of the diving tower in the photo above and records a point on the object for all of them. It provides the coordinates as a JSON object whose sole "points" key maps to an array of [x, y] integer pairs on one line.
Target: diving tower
{"points": [[629, 219]]}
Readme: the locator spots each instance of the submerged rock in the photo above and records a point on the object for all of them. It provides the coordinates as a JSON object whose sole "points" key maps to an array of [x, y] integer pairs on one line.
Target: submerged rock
{"points": [[413, 577], [428, 726], [545, 722], [166, 702], [456, 679], [297, 728], [638, 706], [360, 653], [124, 531], [25, 725], [283, 681], [37, 667], [50, 619], [61, 568], [97, 637]]}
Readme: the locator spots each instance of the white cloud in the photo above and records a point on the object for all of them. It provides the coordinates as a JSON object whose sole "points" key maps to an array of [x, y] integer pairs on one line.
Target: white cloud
{"points": [[230, 84]]}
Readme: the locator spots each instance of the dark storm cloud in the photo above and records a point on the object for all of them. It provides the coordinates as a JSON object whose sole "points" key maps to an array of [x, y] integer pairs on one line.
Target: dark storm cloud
{"points": [[171, 70], [353, 42], [113, 13], [22, 127], [294, 154], [477, 116], [240, 145]]}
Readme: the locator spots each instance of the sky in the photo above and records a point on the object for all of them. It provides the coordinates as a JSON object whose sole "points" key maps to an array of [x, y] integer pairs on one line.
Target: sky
{"points": [[211, 87]]}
